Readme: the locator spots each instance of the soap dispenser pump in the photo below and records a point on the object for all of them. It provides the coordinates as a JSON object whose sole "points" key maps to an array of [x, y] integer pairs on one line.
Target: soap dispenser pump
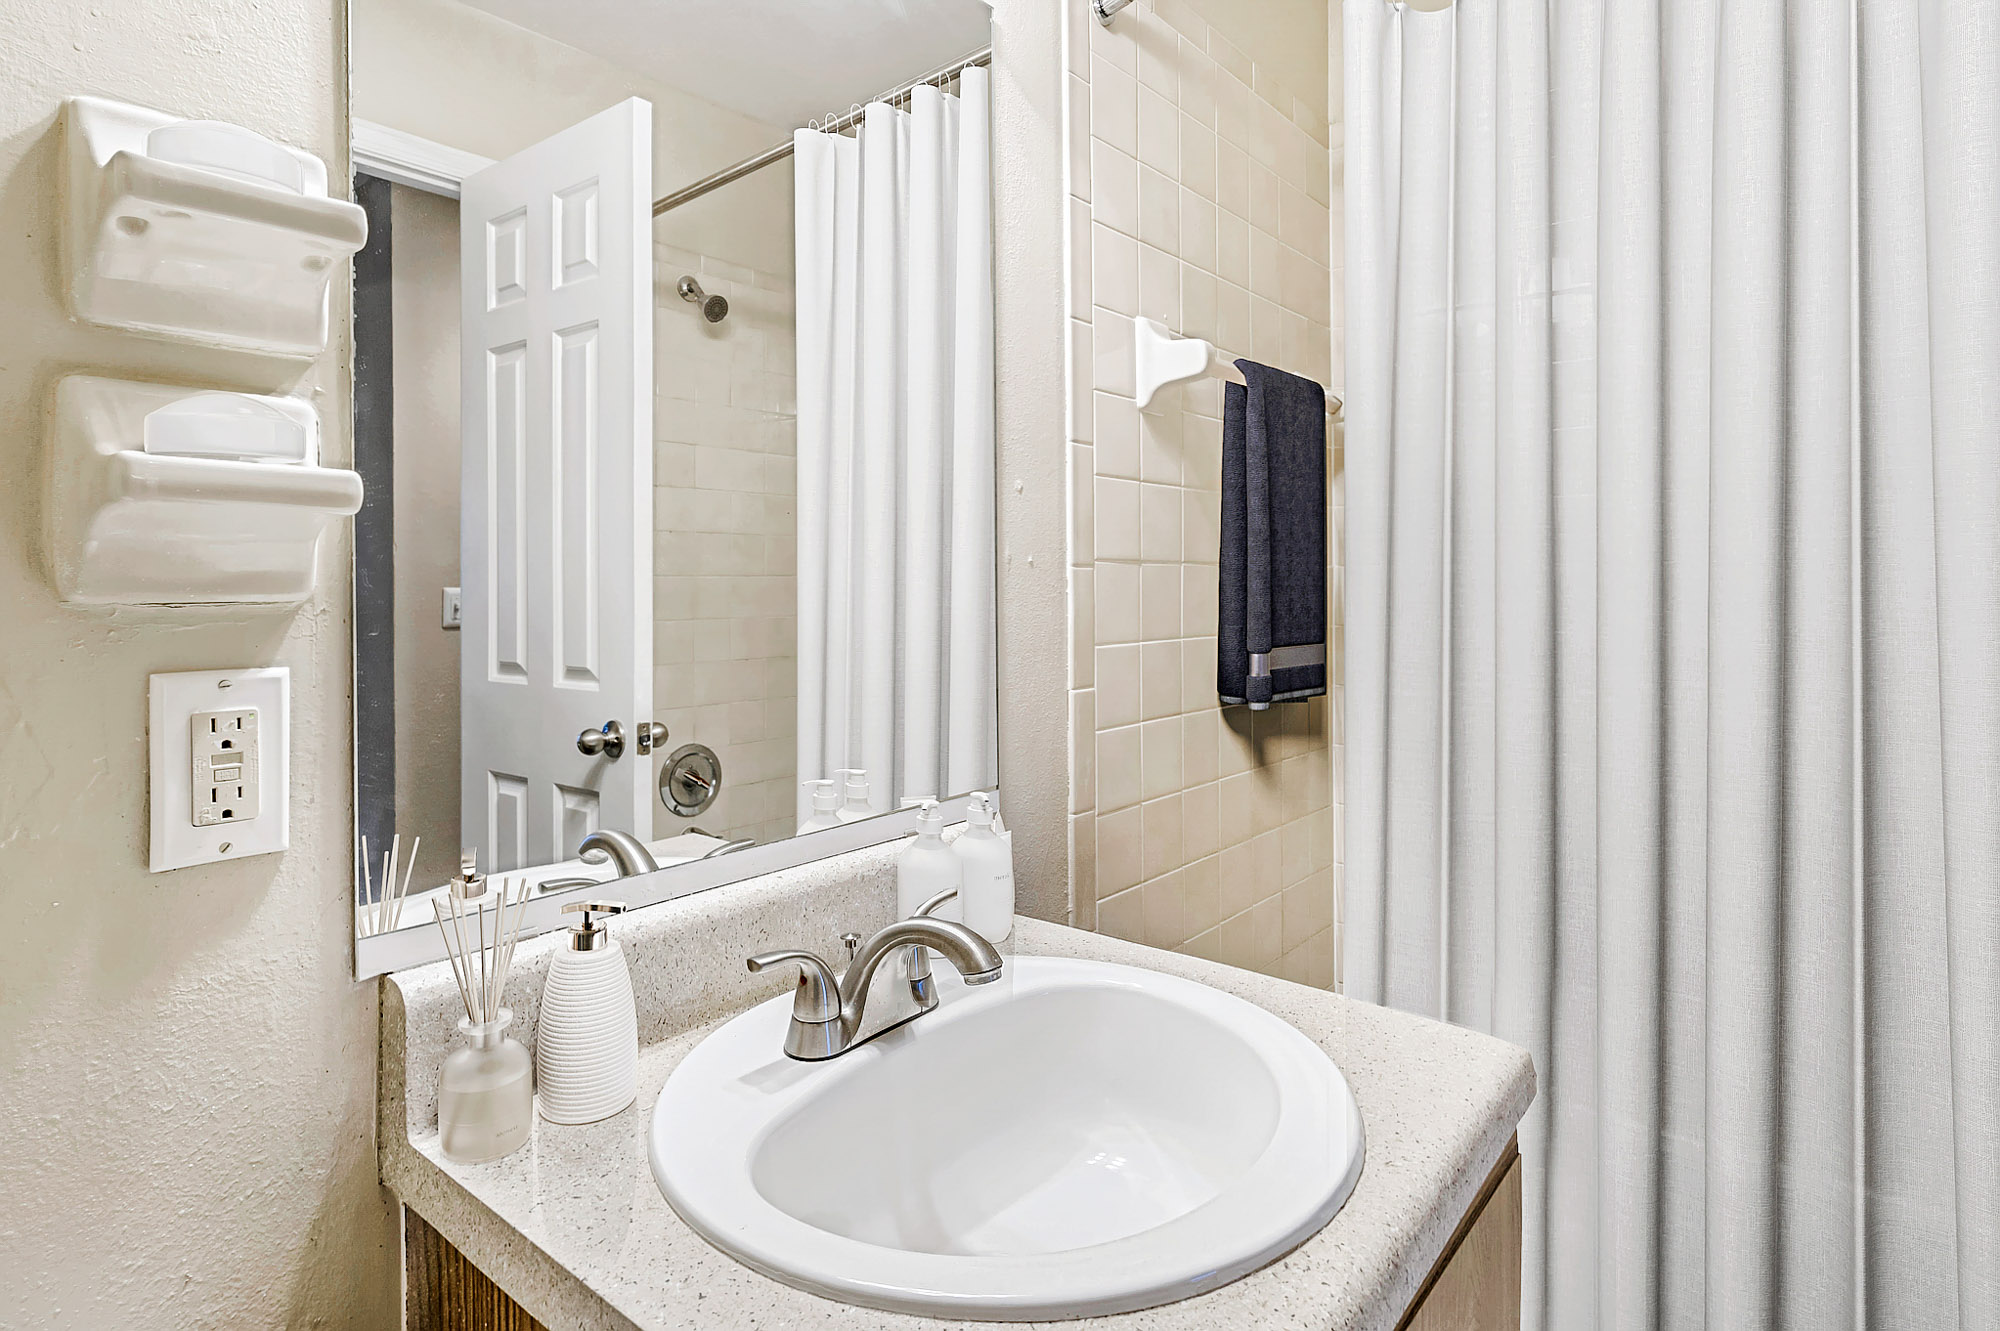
{"points": [[855, 806], [587, 1031], [825, 806]]}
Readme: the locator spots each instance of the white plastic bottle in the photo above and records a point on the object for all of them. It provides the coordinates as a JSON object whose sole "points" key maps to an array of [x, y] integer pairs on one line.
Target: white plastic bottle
{"points": [[855, 806], [587, 1032], [986, 860], [825, 806], [927, 867]]}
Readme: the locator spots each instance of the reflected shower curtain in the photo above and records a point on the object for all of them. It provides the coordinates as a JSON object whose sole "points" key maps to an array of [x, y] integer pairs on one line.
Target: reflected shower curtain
{"points": [[1673, 629], [896, 648]]}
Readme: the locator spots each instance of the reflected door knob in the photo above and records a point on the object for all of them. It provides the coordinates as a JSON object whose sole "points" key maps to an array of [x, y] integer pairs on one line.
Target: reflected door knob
{"points": [[609, 741]]}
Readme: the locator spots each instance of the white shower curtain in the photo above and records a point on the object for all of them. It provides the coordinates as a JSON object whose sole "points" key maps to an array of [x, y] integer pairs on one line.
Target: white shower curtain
{"points": [[894, 244], [1673, 629]]}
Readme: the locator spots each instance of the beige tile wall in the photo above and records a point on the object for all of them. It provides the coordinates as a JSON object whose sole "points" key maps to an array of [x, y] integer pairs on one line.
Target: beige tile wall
{"points": [[1200, 195], [725, 591]]}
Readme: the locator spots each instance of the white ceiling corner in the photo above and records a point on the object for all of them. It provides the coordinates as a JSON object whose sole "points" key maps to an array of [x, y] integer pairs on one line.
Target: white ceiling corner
{"points": [[780, 61]]}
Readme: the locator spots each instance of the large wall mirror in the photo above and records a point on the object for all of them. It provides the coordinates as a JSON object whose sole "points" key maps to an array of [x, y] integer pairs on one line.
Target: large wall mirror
{"points": [[674, 403]]}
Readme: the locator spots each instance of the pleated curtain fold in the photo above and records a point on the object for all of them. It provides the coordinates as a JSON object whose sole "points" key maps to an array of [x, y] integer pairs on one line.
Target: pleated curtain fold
{"points": [[1673, 629], [894, 245]]}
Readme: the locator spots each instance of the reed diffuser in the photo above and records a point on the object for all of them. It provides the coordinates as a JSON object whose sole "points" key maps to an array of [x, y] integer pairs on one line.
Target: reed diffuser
{"points": [[486, 1097], [382, 903]]}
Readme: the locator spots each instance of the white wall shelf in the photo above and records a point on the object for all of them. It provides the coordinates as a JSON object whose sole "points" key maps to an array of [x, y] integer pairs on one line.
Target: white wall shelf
{"points": [[199, 231], [129, 522]]}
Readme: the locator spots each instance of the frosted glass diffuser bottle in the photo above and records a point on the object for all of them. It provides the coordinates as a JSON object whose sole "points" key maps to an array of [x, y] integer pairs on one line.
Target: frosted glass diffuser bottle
{"points": [[486, 1094], [587, 1033], [986, 857], [486, 1091], [927, 867]]}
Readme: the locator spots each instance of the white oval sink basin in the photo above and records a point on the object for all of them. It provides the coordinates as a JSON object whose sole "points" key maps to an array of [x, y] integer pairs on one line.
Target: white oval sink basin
{"points": [[1078, 1138]]}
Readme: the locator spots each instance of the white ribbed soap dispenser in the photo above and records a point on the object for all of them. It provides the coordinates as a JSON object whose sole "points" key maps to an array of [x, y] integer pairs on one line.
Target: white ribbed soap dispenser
{"points": [[587, 1032]]}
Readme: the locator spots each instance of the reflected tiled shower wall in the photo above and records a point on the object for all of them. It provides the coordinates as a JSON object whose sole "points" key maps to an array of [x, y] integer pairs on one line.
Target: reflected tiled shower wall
{"points": [[1202, 194], [725, 590]]}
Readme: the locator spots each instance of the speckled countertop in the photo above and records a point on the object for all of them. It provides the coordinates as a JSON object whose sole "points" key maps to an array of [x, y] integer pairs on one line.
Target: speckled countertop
{"points": [[574, 1228]]}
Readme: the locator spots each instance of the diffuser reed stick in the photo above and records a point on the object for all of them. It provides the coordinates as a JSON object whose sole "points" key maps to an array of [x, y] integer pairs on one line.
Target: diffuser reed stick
{"points": [[382, 910], [481, 950]]}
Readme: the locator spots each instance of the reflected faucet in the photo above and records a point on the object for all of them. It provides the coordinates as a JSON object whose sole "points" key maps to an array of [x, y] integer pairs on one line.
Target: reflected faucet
{"points": [[621, 848], [831, 1016]]}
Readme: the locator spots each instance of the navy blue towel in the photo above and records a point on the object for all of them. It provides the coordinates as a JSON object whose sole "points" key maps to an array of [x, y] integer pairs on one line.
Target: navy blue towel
{"points": [[1271, 638]]}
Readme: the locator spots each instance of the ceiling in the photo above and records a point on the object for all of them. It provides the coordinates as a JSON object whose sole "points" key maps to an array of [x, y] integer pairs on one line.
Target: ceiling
{"points": [[780, 61]]}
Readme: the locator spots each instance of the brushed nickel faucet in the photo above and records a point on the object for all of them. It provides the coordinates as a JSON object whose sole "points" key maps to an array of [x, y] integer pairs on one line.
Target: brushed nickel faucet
{"points": [[621, 848], [833, 1015]]}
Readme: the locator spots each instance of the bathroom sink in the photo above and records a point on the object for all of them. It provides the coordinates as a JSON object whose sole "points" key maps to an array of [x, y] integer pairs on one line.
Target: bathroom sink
{"points": [[1078, 1138]]}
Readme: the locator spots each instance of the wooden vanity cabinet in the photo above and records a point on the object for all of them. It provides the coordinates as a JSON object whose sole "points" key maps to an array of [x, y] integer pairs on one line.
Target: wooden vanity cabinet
{"points": [[1476, 1283], [444, 1291]]}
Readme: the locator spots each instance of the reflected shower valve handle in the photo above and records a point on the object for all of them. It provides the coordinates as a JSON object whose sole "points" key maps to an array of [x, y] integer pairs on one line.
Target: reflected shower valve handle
{"points": [[609, 741]]}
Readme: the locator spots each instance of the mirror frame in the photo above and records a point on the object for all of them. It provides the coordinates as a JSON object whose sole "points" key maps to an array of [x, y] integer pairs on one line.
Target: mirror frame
{"points": [[415, 945]]}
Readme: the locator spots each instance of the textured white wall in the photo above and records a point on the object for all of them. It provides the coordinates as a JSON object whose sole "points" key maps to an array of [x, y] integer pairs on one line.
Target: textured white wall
{"points": [[186, 1068]]}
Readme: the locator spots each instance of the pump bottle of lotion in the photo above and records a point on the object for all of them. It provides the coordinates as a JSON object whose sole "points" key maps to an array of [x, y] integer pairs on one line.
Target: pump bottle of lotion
{"points": [[986, 859], [825, 806], [927, 867]]}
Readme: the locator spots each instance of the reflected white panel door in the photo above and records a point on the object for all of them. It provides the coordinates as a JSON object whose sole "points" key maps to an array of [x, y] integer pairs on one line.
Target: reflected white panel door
{"points": [[556, 410]]}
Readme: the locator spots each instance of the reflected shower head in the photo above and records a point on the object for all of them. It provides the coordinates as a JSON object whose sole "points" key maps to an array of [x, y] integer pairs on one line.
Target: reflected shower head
{"points": [[713, 308]]}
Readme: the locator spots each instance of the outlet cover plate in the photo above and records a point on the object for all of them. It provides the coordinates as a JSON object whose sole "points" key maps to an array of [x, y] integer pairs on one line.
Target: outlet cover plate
{"points": [[174, 701]]}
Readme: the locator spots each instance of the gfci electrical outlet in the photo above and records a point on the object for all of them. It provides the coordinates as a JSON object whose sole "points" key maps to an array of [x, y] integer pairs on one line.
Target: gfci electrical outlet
{"points": [[223, 782], [220, 764]]}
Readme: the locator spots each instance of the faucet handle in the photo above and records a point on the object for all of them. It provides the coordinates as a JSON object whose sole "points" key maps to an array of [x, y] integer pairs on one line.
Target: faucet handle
{"points": [[817, 999]]}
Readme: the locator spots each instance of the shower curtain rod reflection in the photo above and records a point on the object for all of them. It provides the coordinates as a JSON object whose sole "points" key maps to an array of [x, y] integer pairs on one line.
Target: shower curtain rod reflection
{"points": [[943, 74]]}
